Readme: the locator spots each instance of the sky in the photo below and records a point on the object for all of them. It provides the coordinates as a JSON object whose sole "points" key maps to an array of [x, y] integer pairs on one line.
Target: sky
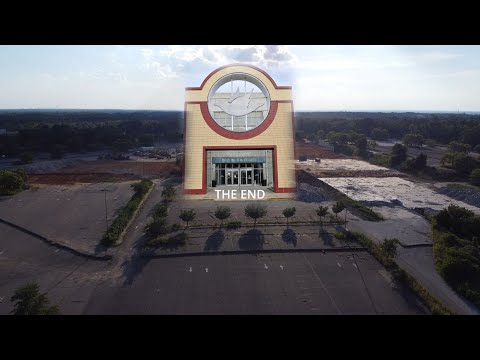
{"points": [[324, 78]]}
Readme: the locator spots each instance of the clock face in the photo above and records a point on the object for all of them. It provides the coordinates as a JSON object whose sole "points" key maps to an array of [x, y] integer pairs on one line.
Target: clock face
{"points": [[239, 102]]}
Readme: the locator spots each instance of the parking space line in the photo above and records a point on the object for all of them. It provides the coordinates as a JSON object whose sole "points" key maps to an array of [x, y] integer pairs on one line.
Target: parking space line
{"points": [[206, 269], [281, 267], [1, 298], [190, 270], [265, 265], [339, 265]]}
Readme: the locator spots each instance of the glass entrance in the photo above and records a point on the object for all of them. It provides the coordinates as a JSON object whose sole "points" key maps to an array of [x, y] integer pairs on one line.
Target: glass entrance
{"points": [[232, 177], [246, 176]]}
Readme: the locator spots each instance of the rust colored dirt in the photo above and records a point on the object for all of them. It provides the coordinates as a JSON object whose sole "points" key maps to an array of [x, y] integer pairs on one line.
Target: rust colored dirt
{"points": [[313, 151]]}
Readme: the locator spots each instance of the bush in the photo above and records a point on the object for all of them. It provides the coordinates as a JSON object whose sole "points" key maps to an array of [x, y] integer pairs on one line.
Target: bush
{"points": [[29, 301], [22, 173], [161, 211], [187, 215], [157, 227], [10, 182], [399, 154], [477, 149], [255, 211], [124, 215], [222, 213], [179, 239], [413, 139], [389, 247], [175, 227], [475, 177], [169, 193], [289, 212], [234, 225], [459, 147]]}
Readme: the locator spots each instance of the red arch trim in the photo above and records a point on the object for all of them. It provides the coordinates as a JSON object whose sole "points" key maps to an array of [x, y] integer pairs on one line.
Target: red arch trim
{"points": [[237, 64]]}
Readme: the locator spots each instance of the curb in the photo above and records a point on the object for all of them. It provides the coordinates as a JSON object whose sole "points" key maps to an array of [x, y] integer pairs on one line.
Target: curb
{"points": [[416, 245], [57, 244], [251, 252]]}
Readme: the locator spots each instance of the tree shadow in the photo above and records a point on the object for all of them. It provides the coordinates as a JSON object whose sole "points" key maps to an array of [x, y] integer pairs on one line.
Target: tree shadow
{"points": [[214, 241], [134, 265], [290, 237], [252, 240], [326, 238]]}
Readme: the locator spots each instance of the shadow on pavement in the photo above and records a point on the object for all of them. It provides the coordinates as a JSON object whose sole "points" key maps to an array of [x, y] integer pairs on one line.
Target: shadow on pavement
{"points": [[290, 237], [214, 241], [252, 240], [134, 265], [326, 237]]}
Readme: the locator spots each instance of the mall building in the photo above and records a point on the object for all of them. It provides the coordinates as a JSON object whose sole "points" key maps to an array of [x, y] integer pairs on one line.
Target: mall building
{"points": [[238, 132]]}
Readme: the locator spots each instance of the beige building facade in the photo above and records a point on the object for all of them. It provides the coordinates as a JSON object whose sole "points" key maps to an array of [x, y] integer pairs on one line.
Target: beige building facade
{"points": [[238, 132]]}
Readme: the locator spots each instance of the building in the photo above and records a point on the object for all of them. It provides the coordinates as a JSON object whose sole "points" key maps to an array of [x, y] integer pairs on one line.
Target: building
{"points": [[238, 131]]}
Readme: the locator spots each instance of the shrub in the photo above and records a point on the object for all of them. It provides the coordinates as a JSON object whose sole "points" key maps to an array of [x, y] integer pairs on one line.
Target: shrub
{"points": [[234, 225], [10, 182], [222, 213], [255, 211], [475, 177], [187, 215], [29, 301], [22, 173], [124, 215], [175, 227], [289, 212], [157, 227], [337, 208], [389, 247], [179, 239], [161, 211], [169, 193]]}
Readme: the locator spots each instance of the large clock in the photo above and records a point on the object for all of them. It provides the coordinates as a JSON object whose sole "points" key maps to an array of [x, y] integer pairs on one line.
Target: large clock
{"points": [[238, 102]]}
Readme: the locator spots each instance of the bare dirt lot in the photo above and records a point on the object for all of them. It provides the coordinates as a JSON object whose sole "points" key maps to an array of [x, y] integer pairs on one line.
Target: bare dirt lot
{"points": [[106, 171], [313, 151]]}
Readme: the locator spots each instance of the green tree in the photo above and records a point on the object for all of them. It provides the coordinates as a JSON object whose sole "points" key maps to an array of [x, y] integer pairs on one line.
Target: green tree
{"points": [[187, 215], [321, 212], [389, 247], [337, 208], [158, 226], [289, 212], [22, 173], [458, 147], [10, 182], [421, 161], [379, 134], [161, 211], [413, 139], [255, 211], [475, 177], [222, 213], [29, 301], [362, 147], [169, 193], [399, 154], [464, 164]]}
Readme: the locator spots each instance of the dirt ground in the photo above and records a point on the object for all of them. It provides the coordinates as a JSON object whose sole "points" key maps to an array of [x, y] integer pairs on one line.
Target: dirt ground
{"points": [[313, 151], [107, 171]]}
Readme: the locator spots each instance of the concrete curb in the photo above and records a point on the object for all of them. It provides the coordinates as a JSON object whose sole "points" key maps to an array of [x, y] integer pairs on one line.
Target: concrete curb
{"points": [[416, 245], [251, 252], [57, 244]]}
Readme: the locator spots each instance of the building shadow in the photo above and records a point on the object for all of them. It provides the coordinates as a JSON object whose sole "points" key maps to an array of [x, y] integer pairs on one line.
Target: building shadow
{"points": [[252, 240], [214, 241], [134, 265], [290, 237]]}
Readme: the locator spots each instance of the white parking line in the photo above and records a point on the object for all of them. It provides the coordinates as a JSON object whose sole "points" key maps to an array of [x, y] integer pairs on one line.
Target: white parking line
{"points": [[355, 266], [266, 267], [281, 267], [1, 252], [206, 269], [190, 269], [339, 265], [57, 250], [1, 298]]}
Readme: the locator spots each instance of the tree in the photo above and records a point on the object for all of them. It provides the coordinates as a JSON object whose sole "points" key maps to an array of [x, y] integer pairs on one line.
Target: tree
{"points": [[222, 213], [399, 154], [169, 193], [362, 147], [22, 173], [337, 208], [458, 147], [477, 148], [157, 227], [10, 182], [464, 164], [255, 211], [289, 212], [372, 144], [29, 301], [413, 139], [475, 177], [389, 247], [321, 212], [379, 134], [26, 157], [187, 215], [421, 161]]}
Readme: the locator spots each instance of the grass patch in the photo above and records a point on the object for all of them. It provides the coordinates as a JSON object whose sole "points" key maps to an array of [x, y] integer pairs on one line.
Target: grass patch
{"points": [[361, 210], [401, 276], [124, 215], [179, 239], [234, 225]]}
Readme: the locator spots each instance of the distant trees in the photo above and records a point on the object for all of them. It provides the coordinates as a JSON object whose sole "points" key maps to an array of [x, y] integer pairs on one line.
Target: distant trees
{"points": [[416, 164], [413, 139], [255, 211], [289, 212], [379, 134], [399, 154], [29, 301], [475, 177], [458, 147], [462, 163]]}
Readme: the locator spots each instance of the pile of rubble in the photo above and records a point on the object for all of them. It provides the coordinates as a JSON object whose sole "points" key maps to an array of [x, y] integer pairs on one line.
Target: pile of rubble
{"points": [[48, 166], [311, 194], [468, 196]]}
